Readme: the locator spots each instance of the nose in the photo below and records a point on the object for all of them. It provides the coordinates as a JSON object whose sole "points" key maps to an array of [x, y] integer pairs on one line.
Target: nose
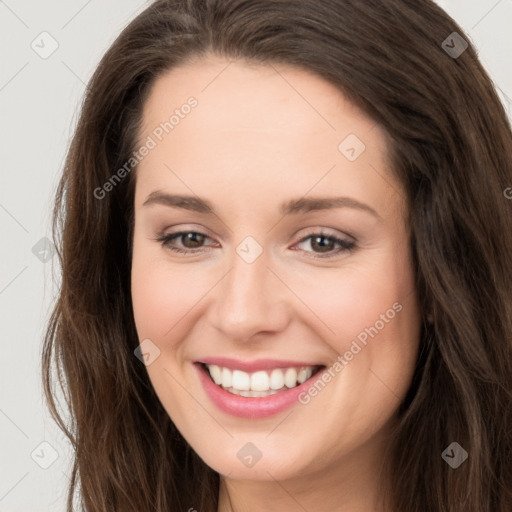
{"points": [[249, 300]]}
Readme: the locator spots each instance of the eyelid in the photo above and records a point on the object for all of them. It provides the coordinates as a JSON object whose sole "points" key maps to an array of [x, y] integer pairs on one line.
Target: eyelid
{"points": [[314, 230], [346, 245], [327, 232]]}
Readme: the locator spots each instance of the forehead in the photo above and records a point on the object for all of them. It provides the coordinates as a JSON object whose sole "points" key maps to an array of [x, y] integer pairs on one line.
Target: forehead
{"points": [[272, 126], [238, 95]]}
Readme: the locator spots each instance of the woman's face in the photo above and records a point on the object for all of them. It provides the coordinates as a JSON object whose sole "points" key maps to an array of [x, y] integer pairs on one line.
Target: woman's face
{"points": [[297, 258]]}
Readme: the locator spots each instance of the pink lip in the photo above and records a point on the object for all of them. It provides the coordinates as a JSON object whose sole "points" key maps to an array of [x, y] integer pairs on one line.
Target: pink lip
{"points": [[254, 366], [252, 407]]}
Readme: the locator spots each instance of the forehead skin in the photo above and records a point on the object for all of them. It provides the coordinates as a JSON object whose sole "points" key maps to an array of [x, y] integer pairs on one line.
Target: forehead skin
{"points": [[263, 129]]}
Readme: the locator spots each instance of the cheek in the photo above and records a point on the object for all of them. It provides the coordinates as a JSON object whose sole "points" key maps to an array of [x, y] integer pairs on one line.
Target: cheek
{"points": [[369, 316], [346, 302], [162, 299], [162, 294], [371, 320]]}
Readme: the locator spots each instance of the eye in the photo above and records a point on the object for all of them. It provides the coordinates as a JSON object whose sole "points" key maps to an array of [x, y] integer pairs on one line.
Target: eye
{"points": [[323, 244], [191, 240]]}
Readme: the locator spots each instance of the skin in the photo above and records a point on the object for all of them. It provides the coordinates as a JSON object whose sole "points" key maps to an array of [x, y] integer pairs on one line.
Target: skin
{"points": [[262, 135]]}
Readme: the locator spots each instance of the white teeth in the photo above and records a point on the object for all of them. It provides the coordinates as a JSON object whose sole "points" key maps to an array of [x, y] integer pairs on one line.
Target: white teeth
{"points": [[253, 394], [304, 374], [290, 378], [260, 383], [241, 380], [227, 378], [216, 374], [276, 379]]}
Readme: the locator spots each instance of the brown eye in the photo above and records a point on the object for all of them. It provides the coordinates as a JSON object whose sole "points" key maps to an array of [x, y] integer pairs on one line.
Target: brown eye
{"points": [[322, 245], [192, 240], [184, 241]]}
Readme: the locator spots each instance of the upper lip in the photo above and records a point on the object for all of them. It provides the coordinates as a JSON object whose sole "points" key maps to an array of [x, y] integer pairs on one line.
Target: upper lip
{"points": [[255, 365]]}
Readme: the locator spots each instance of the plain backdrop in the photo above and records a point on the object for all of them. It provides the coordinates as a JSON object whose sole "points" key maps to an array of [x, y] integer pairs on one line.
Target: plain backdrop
{"points": [[40, 96]]}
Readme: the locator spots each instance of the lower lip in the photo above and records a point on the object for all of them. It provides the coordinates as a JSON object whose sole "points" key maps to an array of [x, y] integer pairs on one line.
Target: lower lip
{"points": [[251, 407]]}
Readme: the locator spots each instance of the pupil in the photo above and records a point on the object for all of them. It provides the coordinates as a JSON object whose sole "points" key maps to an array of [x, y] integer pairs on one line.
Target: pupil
{"points": [[192, 237], [325, 245]]}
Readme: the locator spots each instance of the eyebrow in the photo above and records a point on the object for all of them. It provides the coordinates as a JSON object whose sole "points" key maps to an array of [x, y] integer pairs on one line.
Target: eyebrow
{"points": [[292, 207]]}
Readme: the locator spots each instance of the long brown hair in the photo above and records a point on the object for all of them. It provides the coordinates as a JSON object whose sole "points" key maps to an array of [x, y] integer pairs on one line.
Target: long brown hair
{"points": [[451, 147]]}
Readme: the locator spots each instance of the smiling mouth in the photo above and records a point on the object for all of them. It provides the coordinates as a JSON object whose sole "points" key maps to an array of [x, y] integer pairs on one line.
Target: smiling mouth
{"points": [[261, 383]]}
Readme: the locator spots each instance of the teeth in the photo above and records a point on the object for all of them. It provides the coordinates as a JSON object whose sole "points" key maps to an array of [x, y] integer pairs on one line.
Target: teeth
{"points": [[304, 374], [241, 380], [253, 394], [276, 379], [216, 374], [227, 378], [290, 378], [260, 383]]}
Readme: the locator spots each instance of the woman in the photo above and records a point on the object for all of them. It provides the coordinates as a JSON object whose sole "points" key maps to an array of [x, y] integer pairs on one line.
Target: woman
{"points": [[285, 248]]}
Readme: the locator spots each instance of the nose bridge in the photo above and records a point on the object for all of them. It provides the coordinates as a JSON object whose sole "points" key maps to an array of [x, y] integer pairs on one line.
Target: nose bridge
{"points": [[250, 299]]}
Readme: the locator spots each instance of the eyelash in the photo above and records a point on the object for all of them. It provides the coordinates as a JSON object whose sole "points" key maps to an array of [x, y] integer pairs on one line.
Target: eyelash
{"points": [[346, 246]]}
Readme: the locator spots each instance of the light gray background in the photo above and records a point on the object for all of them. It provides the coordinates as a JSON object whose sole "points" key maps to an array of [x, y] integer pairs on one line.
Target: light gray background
{"points": [[40, 99]]}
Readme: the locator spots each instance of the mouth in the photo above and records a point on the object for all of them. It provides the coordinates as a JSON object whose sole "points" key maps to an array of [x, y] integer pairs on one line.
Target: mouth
{"points": [[261, 383], [260, 390]]}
